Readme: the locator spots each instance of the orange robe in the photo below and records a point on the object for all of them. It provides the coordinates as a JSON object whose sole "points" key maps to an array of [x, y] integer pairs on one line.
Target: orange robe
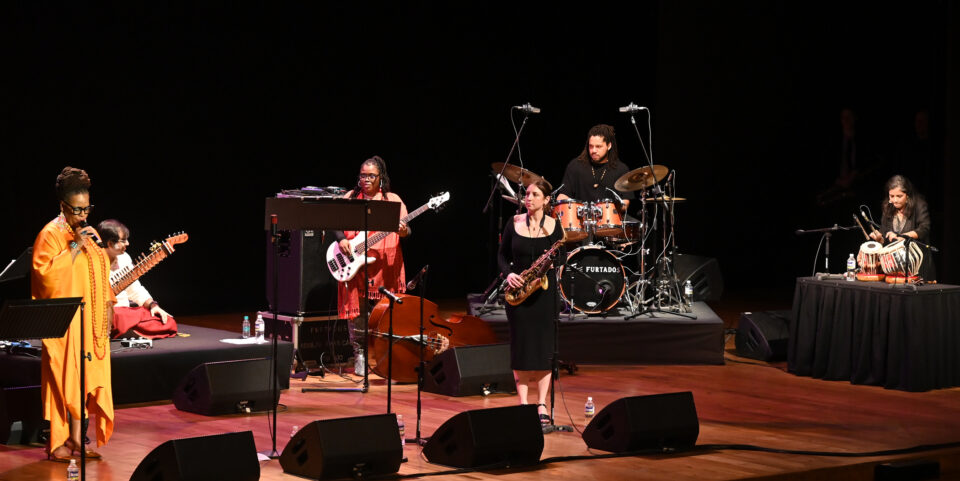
{"points": [[386, 271], [55, 275]]}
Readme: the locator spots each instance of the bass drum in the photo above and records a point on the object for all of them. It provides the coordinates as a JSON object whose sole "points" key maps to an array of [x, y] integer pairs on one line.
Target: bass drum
{"points": [[592, 280]]}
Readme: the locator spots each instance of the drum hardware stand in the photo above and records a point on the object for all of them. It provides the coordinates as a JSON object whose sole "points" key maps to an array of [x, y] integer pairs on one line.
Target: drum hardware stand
{"points": [[492, 292]]}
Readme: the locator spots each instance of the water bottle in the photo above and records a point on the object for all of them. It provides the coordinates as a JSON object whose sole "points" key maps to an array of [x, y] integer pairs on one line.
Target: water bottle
{"points": [[73, 471], [259, 325], [589, 408], [358, 362], [851, 268], [403, 431], [246, 327], [688, 292]]}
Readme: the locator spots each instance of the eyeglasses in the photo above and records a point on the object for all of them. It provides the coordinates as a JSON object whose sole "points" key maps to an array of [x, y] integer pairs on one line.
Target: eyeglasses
{"points": [[123, 241], [79, 210], [368, 176]]}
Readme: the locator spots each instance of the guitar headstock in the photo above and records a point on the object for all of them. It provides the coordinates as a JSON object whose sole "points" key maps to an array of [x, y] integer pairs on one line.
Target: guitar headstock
{"points": [[436, 202]]}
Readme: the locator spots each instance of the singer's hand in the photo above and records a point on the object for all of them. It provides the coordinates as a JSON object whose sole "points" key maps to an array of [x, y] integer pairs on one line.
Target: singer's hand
{"points": [[514, 280], [84, 234]]}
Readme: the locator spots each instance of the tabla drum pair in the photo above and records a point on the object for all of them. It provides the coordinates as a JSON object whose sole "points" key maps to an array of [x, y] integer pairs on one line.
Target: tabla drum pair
{"points": [[592, 280], [579, 219], [901, 262]]}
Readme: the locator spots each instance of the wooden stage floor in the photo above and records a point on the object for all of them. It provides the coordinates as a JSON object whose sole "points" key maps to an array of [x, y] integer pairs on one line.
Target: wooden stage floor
{"points": [[737, 403]]}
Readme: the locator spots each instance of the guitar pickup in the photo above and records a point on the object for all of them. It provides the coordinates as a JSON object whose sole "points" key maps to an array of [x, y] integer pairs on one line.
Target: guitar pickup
{"points": [[333, 265]]}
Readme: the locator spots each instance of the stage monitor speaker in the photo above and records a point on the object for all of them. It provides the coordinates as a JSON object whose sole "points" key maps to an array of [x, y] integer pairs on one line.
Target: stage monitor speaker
{"points": [[703, 273], [508, 436], [230, 456], [764, 335], [355, 447], [645, 422], [21, 415], [305, 285], [226, 387], [470, 370]]}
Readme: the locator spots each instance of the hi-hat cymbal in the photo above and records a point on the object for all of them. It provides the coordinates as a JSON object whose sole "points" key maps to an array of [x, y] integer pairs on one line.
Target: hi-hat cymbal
{"points": [[666, 198], [514, 173], [640, 178]]}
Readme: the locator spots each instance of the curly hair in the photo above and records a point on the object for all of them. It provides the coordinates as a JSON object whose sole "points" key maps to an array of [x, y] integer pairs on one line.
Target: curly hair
{"points": [[72, 181], [381, 166], [904, 184], [609, 136]]}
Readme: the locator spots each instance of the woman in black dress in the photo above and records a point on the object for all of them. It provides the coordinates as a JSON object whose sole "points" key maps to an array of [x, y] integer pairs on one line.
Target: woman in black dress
{"points": [[525, 239]]}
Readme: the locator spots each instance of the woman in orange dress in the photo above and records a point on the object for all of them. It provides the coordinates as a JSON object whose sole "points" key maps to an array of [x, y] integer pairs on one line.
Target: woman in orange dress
{"points": [[374, 184], [67, 262]]}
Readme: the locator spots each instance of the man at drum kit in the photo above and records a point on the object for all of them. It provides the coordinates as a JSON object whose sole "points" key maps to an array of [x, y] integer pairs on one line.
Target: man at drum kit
{"points": [[592, 174]]}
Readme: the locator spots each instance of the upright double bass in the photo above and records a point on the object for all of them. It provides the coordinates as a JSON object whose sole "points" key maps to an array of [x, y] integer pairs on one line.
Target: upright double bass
{"points": [[438, 335]]}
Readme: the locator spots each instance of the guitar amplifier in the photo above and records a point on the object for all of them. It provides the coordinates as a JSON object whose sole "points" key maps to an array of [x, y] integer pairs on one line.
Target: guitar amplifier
{"points": [[305, 286], [324, 339]]}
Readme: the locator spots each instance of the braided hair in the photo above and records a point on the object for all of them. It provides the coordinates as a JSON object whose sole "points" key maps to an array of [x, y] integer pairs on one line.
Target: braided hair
{"points": [[381, 166], [609, 136], [72, 181]]}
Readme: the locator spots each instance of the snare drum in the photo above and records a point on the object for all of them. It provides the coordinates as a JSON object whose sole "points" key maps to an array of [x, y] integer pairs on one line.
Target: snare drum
{"points": [[869, 260], [569, 213], [606, 217], [897, 257], [592, 280]]}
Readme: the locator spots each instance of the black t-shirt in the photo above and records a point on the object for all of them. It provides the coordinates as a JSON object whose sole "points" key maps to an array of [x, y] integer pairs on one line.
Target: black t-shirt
{"points": [[579, 178]]}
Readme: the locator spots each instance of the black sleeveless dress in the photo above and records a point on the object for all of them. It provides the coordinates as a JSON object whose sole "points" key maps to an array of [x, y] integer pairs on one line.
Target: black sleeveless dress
{"points": [[531, 322]]}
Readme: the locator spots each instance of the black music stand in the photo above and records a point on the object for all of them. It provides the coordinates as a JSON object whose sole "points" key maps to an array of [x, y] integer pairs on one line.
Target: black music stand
{"points": [[45, 319], [323, 214]]}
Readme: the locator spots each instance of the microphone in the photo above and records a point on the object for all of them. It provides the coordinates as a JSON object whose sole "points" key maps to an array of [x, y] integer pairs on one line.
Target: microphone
{"points": [[670, 176], [615, 194], [530, 109], [416, 279], [864, 215], [554, 193], [93, 237], [393, 297], [631, 108]]}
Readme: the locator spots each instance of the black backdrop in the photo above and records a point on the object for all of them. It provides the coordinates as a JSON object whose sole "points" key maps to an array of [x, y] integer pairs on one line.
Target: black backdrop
{"points": [[187, 117]]}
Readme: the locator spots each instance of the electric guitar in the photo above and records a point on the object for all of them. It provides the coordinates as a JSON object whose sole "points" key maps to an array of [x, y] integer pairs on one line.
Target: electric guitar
{"points": [[345, 265], [159, 251]]}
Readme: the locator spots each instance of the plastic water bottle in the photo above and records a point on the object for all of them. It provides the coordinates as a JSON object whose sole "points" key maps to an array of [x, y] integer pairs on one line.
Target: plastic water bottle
{"points": [[851, 268], [259, 325], [589, 408], [246, 327], [73, 471], [358, 362], [403, 431], [688, 292]]}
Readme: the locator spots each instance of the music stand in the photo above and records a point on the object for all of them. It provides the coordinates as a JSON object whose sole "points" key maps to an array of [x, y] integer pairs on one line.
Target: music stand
{"points": [[45, 319], [335, 213]]}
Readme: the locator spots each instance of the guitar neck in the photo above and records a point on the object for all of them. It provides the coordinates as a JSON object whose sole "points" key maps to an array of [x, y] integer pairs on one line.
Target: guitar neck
{"points": [[140, 268], [383, 234]]}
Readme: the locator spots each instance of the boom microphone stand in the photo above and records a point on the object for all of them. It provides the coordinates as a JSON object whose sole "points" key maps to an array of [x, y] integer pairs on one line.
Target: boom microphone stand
{"points": [[554, 372]]}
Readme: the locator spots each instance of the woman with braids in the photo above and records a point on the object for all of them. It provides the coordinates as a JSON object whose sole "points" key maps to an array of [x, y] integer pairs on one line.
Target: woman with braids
{"points": [[589, 176], [531, 322], [905, 214], [373, 183], [67, 262]]}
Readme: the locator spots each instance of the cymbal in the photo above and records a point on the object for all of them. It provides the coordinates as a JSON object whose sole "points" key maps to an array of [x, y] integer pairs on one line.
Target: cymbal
{"points": [[666, 198], [513, 173], [640, 178]]}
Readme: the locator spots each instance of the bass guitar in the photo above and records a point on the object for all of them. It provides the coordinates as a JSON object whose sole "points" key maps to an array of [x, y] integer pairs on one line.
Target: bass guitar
{"points": [[159, 251], [344, 265]]}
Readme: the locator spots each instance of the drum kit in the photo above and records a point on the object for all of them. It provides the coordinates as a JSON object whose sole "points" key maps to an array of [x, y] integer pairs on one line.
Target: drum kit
{"points": [[607, 266]]}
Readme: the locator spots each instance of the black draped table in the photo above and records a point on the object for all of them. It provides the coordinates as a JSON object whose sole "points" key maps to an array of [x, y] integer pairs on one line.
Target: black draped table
{"points": [[898, 337]]}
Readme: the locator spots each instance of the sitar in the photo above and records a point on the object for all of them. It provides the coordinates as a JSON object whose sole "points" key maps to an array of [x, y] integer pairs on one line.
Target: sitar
{"points": [[159, 251]]}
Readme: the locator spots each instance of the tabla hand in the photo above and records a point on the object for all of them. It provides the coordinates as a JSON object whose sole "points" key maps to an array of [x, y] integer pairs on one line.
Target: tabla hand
{"points": [[892, 237], [876, 236]]}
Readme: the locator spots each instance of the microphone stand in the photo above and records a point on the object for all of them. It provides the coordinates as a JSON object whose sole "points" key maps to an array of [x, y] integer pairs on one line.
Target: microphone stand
{"points": [[516, 141], [555, 372], [827, 233], [275, 237], [84, 356], [422, 365]]}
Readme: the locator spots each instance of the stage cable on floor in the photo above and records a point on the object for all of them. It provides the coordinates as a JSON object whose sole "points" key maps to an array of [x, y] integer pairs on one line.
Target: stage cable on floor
{"points": [[563, 400]]}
